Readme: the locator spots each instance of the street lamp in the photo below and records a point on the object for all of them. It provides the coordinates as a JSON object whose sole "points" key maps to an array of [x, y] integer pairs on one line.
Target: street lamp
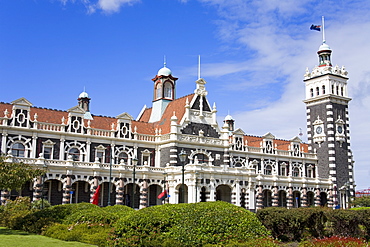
{"points": [[110, 175], [134, 162], [182, 157], [196, 186], [164, 187]]}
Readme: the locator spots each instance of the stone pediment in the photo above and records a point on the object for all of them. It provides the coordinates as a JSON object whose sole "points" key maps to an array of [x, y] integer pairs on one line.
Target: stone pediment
{"points": [[22, 101], [239, 132], [125, 116], [268, 136], [76, 109], [296, 139]]}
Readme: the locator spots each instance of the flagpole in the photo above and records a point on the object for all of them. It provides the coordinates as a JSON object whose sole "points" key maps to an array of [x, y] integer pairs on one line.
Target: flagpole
{"points": [[323, 29], [198, 67]]}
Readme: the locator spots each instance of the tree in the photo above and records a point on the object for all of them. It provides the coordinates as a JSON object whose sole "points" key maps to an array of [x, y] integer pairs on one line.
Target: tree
{"points": [[363, 201], [14, 175]]}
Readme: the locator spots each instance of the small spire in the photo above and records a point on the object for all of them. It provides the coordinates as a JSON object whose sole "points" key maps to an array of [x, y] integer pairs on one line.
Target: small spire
{"points": [[164, 61], [323, 29], [198, 67]]}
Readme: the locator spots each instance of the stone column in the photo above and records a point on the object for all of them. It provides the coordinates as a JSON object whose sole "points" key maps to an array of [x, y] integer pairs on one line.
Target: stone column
{"points": [[67, 188], [120, 193], [144, 195], [259, 198], [317, 197], [37, 188], [330, 199], [275, 197], [289, 199], [304, 201], [4, 196]]}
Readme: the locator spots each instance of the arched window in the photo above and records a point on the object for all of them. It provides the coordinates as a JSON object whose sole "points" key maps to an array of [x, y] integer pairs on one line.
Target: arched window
{"points": [[268, 170], [317, 91], [75, 153], [123, 157], [295, 172], [311, 91], [323, 89], [168, 90], [18, 149], [158, 91]]}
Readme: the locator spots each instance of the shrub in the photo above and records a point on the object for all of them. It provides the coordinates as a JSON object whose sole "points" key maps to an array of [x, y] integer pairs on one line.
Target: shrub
{"points": [[194, 224], [40, 204], [364, 218], [344, 223], [15, 211], [294, 224], [34, 221], [95, 234]]}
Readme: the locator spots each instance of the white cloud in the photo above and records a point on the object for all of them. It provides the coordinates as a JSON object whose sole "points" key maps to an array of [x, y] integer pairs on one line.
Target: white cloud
{"points": [[110, 6]]}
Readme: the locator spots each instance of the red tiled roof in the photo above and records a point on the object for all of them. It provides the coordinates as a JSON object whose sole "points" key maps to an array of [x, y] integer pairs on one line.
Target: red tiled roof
{"points": [[48, 115], [177, 106], [146, 115], [253, 141]]}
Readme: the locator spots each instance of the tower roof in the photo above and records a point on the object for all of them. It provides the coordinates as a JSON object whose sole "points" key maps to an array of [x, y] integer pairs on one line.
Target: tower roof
{"points": [[83, 95], [164, 71]]}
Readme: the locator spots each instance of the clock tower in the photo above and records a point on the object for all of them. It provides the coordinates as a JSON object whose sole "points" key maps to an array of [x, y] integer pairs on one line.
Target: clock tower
{"points": [[328, 124]]}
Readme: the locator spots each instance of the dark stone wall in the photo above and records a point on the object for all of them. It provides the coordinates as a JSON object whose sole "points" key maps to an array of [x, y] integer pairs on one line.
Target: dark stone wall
{"points": [[165, 156], [194, 128]]}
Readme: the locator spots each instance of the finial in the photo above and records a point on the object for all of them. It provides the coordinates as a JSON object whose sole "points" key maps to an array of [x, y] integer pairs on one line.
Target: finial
{"points": [[164, 61], [323, 30], [198, 67]]}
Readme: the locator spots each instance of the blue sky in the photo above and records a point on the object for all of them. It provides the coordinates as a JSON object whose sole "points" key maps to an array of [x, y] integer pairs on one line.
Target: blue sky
{"points": [[254, 54]]}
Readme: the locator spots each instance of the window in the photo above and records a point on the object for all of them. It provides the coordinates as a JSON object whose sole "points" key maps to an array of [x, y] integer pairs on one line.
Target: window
{"points": [[341, 91], [47, 152], [202, 158], [168, 90], [158, 91], [75, 153], [268, 170], [283, 170], [295, 172], [311, 91], [323, 89], [317, 91], [18, 150], [332, 89], [337, 90], [123, 157]]}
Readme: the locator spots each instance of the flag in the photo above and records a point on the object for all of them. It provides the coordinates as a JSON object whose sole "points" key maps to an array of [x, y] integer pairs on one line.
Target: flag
{"points": [[95, 198], [316, 27], [163, 195]]}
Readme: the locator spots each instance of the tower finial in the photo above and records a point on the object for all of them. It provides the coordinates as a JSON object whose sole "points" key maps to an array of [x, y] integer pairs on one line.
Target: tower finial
{"points": [[323, 29], [164, 61], [198, 67]]}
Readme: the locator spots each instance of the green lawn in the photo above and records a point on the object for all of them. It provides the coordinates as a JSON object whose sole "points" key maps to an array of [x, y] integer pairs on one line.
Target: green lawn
{"points": [[10, 238]]}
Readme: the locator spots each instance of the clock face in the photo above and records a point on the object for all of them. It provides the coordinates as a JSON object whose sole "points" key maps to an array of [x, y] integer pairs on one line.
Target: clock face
{"points": [[318, 130], [340, 129]]}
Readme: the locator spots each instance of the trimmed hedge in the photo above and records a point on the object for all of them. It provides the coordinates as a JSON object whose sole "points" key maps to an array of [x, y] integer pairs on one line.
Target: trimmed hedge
{"points": [[195, 224]]}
